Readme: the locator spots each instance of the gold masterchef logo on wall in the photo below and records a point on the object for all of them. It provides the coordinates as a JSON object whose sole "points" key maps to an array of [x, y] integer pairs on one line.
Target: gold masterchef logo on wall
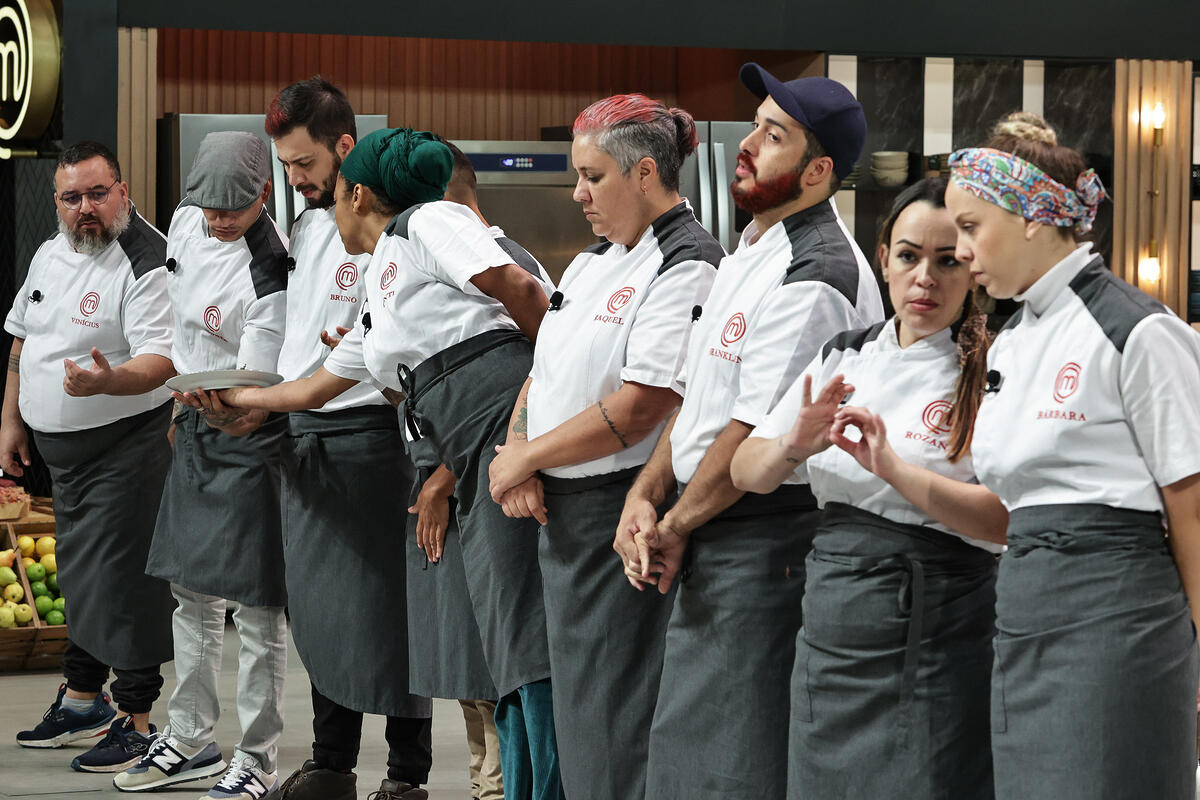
{"points": [[30, 57]]}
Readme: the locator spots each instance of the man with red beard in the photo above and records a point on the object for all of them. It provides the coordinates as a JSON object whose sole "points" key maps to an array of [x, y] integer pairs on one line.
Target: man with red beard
{"points": [[797, 278]]}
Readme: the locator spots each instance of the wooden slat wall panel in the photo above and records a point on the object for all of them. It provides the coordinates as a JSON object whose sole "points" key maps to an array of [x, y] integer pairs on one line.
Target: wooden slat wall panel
{"points": [[462, 89], [137, 54], [1139, 85]]}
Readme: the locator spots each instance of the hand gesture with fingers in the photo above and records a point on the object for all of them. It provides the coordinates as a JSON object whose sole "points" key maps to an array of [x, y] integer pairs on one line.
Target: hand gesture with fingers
{"points": [[872, 450], [80, 382], [333, 341], [810, 434]]}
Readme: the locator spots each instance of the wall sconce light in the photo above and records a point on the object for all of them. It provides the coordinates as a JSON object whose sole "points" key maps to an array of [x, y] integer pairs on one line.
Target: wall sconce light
{"points": [[1149, 270]]}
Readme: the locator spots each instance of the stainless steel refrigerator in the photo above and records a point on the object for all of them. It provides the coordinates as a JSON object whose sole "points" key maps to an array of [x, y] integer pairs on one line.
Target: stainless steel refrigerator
{"points": [[705, 177], [179, 136]]}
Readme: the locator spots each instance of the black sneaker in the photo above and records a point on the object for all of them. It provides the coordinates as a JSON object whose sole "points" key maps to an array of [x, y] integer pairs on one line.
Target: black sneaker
{"points": [[121, 749], [398, 790], [314, 782], [61, 726]]}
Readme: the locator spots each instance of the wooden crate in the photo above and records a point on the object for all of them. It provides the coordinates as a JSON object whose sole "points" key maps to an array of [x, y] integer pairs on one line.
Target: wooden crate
{"points": [[38, 645]]}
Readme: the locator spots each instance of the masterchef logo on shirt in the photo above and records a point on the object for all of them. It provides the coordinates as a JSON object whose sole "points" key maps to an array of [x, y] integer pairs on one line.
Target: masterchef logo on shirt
{"points": [[1066, 383], [87, 307], [936, 418], [212, 321], [346, 276], [386, 277], [734, 330], [620, 298]]}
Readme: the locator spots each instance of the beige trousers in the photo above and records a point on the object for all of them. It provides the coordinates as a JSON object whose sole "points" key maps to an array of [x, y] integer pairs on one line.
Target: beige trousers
{"points": [[486, 783]]}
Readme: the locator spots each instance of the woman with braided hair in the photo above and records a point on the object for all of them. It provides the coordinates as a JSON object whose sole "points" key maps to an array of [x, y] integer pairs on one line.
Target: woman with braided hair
{"points": [[890, 685], [1091, 438]]}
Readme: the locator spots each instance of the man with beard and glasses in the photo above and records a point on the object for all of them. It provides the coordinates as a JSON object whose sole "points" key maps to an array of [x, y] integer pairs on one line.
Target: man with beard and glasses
{"points": [[721, 722], [92, 335], [345, 482]]}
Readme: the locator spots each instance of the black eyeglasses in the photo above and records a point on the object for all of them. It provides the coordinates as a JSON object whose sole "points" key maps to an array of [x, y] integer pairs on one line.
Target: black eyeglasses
{"points": [[96, 197]]}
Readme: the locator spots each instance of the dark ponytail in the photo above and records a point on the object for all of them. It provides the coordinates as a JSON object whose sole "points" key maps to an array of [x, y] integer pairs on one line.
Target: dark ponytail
{"points": [[973, 339]]}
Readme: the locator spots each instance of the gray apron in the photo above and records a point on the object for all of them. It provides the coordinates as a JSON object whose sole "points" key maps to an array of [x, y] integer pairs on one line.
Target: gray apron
{"points": [[721, 724], [890, 688], [345, 478], [218, 529], [606, 640], [107, 485], [1094, 683], [445, 650], [462, 399]]}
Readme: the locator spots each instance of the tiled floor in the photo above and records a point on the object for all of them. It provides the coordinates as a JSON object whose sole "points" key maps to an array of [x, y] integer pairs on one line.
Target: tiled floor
{"points": [[43, 774]]}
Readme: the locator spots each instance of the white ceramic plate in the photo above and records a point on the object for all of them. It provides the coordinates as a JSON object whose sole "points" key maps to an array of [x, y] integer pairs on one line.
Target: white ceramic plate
{"points": [[222, 379]]}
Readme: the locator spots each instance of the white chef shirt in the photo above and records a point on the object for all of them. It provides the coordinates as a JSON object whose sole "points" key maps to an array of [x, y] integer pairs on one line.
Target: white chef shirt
{"points": [[327, 288], [775, 301], [419, 293], [228, 297], [625, 316], [115, 301], [1097, 399], [912, 388]]}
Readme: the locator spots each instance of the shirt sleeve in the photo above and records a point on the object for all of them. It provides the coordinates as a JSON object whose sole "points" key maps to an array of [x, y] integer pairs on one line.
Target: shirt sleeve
{"points": [[459, 244], [148, 320], [347, 359], [780, 419], [1160, 381], [262, 333], [658, 340], [786, 334], [14, 323]]}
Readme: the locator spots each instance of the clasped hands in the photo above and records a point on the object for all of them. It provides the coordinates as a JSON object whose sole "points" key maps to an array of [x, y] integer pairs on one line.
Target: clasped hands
{"points": [[513, 483]]}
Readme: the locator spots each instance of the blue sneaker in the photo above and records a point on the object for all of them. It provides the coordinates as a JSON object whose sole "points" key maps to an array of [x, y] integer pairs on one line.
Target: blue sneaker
{"points": [[166, 764], [61, 726], [121, 749]]}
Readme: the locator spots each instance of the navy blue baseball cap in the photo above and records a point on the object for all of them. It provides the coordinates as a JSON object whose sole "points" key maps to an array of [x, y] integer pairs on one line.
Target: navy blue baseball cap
{"points": [[824, 106]]}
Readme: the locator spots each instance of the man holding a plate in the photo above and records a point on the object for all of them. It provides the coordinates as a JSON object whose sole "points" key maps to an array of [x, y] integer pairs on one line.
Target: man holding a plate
{"points": [[218, 533]]}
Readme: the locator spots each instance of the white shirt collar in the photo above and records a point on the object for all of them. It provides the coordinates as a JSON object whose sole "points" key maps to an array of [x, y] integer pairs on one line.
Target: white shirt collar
{"points": [[1038, 298]]}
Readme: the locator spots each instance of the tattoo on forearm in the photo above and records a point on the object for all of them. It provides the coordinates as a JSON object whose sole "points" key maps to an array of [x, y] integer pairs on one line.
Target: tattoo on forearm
{"points": [[521, 426], [14, 362], [786, 457], [612, 427]]}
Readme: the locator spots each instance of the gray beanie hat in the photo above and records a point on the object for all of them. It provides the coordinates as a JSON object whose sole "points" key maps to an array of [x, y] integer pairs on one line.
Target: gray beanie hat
{"points": [[230, 171]]}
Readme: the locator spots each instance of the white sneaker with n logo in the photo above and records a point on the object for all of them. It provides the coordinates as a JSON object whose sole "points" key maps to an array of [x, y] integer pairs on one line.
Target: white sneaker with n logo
{"points": [[243, 781], [167, 762]]}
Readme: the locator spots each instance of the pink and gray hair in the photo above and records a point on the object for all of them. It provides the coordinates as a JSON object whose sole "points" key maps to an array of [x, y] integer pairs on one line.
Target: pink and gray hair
{"points": [[630, 127]]}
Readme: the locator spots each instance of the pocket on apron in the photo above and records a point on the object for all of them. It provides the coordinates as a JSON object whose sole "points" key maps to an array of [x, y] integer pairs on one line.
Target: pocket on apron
{"points": [[999, 712], [802, 707]]}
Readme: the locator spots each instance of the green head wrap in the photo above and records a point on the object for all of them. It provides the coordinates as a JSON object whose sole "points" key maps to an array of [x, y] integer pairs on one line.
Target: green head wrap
{"points": [[406, 166]]}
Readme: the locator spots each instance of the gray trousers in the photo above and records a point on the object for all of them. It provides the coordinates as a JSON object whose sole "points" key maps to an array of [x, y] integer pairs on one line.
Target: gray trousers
{"points": [[195, 707]]}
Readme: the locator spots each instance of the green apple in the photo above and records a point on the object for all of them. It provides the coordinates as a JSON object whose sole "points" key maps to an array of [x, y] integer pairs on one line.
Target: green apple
{"points": [[38, 589], [60, 604], [36, 572], [52, 582], [44, 605], [56, 618]]}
